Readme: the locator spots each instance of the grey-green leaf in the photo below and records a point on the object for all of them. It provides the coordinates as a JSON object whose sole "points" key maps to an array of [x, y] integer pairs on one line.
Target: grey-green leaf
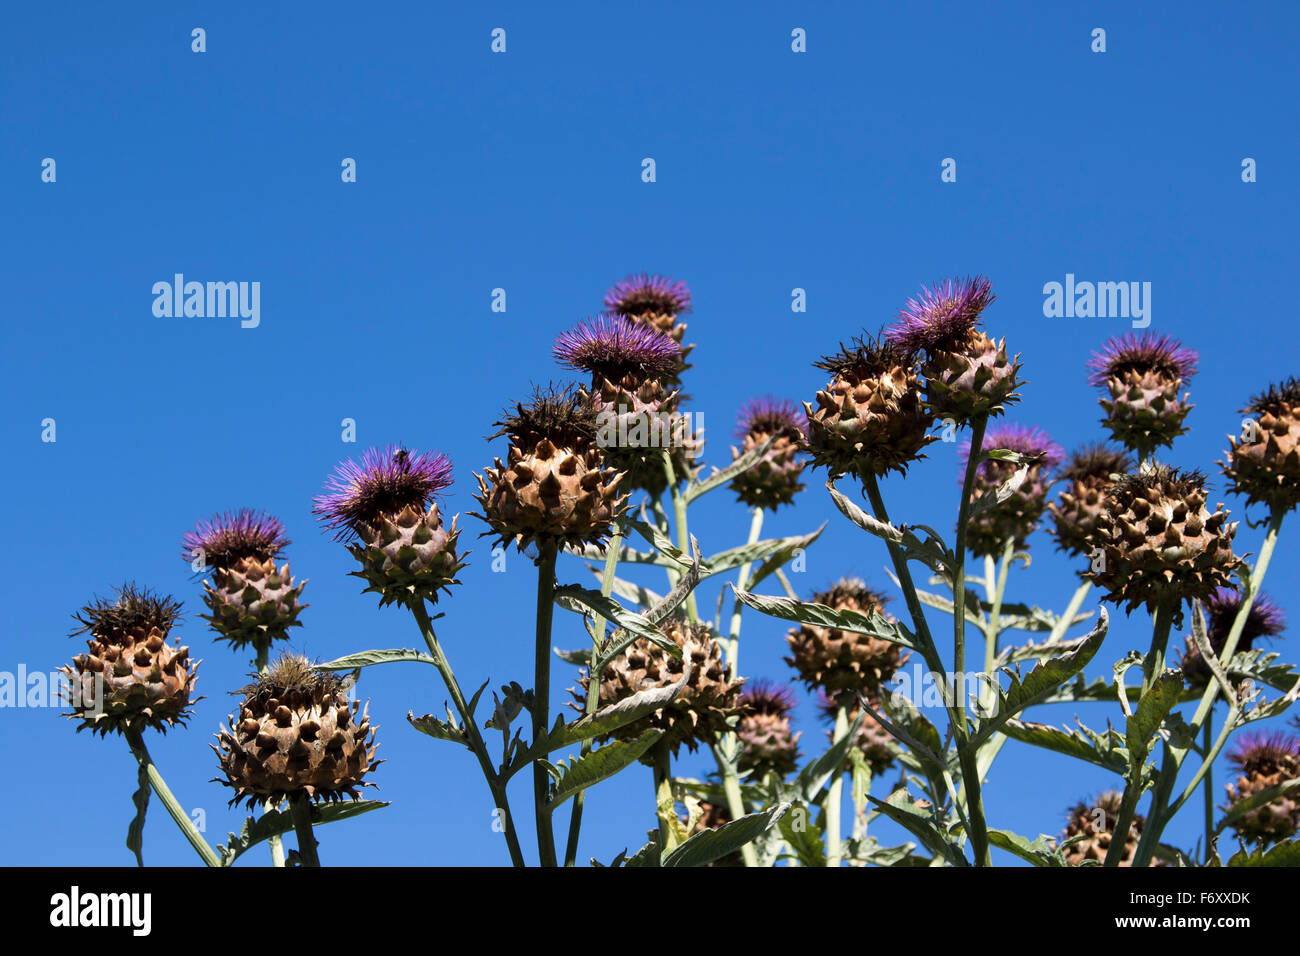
{"points": [[370, 658], [709, 845], [591, 768]]}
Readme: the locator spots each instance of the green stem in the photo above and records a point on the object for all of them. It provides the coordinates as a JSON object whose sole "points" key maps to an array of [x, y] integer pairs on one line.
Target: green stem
{"points": [[835, 792], [1123, 822], [1207, 733], [542, 699], [141, 753], [499, 799], [735, 800], [683, 532], [300, 808], [993, 628], [664, 802], [1153, 664], [959, 555], [1076, 602], [742, 578], [593, 687]]}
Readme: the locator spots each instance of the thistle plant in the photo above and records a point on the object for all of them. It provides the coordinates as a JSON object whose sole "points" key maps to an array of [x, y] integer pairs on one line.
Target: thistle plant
{"points": [[601, 477]]}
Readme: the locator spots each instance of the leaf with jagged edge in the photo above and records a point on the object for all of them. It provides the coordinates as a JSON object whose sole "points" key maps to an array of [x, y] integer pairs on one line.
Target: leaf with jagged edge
{"points": [[276, 822], [783, 555], [870, 852], [636, 593], [996, 496], [732, 558], [919, 821], [668, 553], [681, 590], [709, 845], [802, 834], [1254, 801], [135, 832], [1258, 666], [1105, 750], [438, 729], [1039, 683], [1280, 854], [1152, 709], [631, 626], [750, 793], [815, 775], [1039, 852], [617, 714], [722, 476], [580, 657], [371, 658], [807, 612], [1036, 652], [591, 768]]}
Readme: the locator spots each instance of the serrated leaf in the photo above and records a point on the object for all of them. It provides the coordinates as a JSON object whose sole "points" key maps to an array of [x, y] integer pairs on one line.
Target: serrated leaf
{"points": [[1281, 854], [748, 553], [616, 715], [631, 626], [806, 612], [783, 555], [370, 658], [803, 835], [998, 495], [439, 729], [721, 477], [1105, 750], [1161, 697], [815, 775], [709, 845], [673, 599], [591, 768], [669, 554], [918, 821], [1039, 683], [1254, 801], [275, 822], [135, 832], [1039, 852], [636, 593]]}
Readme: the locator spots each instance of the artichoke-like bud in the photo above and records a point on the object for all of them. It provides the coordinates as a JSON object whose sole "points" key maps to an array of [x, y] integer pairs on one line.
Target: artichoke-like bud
{"points": [[657, 302], [1096, 822], [296, 732], [1090, 472], [699, 712], [870, 418], [836, 661], [554, 487], [637, 414], [1158, 542], [251, 600], [1017, 516], [774, 480], [383, 509], [1265, 761], [130, 679], [873, 741], [1141, 375], [767, 742], [1264, 619], [967, 374], [1264, 463]]}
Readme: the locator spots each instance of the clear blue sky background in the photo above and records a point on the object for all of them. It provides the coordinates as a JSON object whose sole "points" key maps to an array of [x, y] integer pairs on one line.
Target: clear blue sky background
{"points": [[776, 170]]}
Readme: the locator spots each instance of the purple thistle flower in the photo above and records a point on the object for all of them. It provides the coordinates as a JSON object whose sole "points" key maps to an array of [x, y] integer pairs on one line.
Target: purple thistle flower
{"points": [[641, 294], [941, 315], [767, 697], [1259, 748], [612, 345], [1024, 439], [1265, 618], [772, 415], [232, 535], [386, 481], [1142, 352]]}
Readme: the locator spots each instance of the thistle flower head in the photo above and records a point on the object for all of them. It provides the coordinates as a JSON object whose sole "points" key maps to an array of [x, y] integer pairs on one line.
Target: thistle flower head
{"points": [[647, 294], [384, 483], [234, 535], [1264, 619], [767, 697], [1096, 463], [558, 414], [771, 416], [134, 608], [1142, 352], [1261, 751], [612, 345], [941, 315], [1028, 440]]}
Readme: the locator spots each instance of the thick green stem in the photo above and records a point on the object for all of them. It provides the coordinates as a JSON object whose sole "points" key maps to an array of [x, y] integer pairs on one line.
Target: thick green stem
{"points": [[300, 809], [1207, 734], [665, 811], [1076, 602], [159, 786], [959, 555], [476, 744], [542, 700], [1153, 664], [1123, 822], [735, 800], [742, 579], [835, 792], [593, 688], [994, 626], [683, 531]]}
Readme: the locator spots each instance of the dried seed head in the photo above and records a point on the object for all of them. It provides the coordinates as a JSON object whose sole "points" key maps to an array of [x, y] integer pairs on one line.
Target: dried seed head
{"points": [[836, 661], [774, 480], [1084, 819], [1263, 463], [1090, 471], [767, 742]]}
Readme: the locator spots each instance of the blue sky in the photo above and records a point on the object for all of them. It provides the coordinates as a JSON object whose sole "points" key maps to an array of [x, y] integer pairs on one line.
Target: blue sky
{"points": [[522, 171]]}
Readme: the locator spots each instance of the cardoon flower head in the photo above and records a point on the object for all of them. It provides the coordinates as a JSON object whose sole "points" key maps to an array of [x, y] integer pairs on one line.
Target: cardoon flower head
{"points": [[644, 295], [767, 743], [967, 374], [1016, 517], [234, 535], [870, 418], [774, 480], [1266, 761], [1142, 375], [1264, 462], [384, 506], [1155, 541], [942, 316], [839, 661], [1087, 476], [554, 487], [611, 346], [385, 482], [1264, 619]]}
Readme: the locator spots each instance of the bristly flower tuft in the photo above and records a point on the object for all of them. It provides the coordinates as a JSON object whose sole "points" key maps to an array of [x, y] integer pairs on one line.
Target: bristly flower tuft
{"points": [[767, 697], [771, 416], [941, 315], [558, 414], [612, 345], [233, 535], [386, 482], [646, 294], [1141, 353], [133, 608]]}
